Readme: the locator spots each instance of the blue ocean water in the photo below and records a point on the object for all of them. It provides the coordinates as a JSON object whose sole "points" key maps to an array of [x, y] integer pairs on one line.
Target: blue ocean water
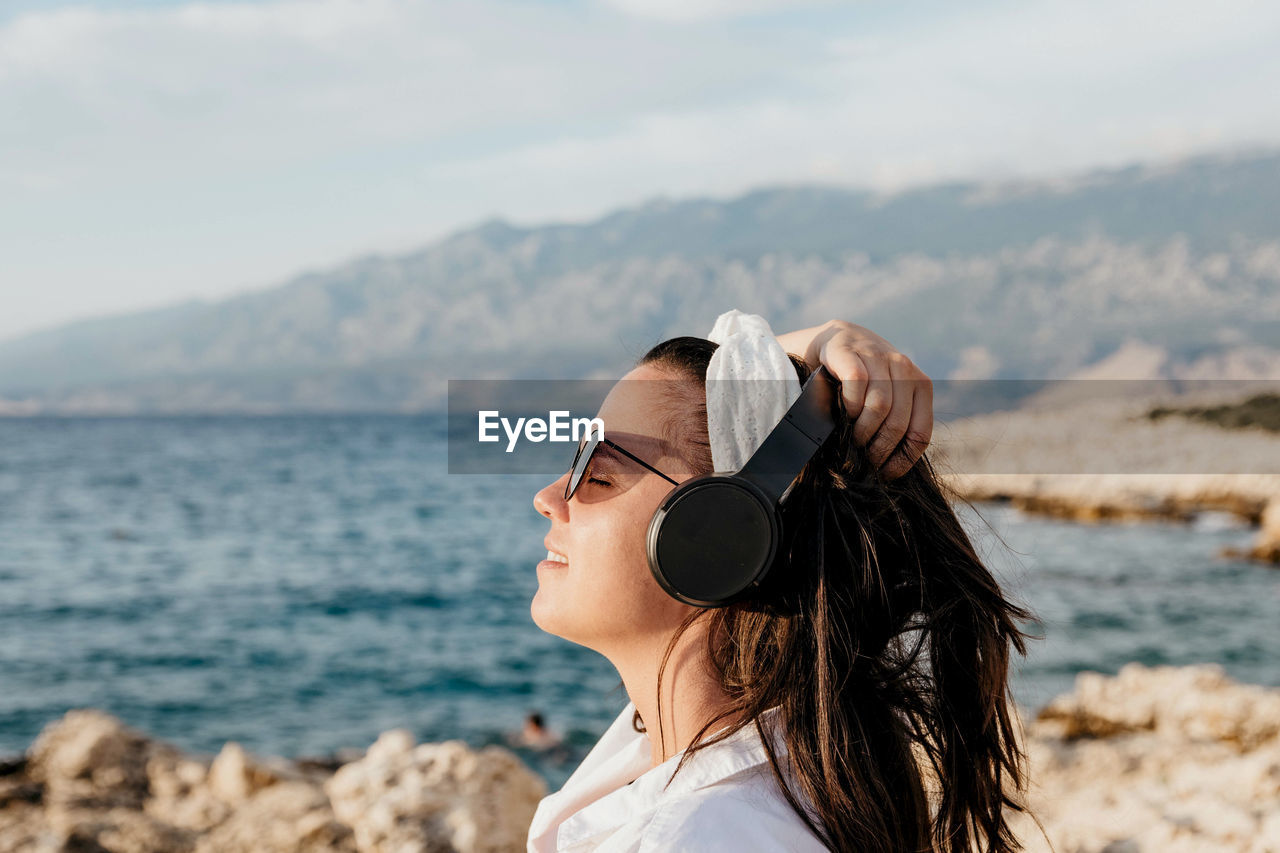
{"points": [[300, 584]]}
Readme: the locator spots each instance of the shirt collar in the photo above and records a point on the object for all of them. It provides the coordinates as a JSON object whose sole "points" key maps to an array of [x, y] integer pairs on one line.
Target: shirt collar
{"points": [[597, 799]]}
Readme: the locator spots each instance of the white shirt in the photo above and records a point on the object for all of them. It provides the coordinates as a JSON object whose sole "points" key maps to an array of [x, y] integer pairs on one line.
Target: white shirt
{"points": [[725, 798]]}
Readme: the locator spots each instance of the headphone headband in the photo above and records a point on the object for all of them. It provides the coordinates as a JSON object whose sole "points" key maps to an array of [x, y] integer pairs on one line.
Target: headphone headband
{"points": [[793, 442]]}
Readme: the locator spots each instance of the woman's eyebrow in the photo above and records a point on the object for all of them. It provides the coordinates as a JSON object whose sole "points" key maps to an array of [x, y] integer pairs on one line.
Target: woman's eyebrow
{"points": [[613, 456], [607, 453], [640, 444]]}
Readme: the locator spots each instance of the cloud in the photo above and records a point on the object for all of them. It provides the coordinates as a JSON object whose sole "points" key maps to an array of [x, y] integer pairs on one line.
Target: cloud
{"points": [[703, 10], [148, 154], [1042, 90], [232, 86]]}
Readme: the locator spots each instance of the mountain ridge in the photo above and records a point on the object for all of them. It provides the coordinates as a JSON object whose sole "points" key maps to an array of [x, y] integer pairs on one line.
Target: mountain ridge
{"points": [[1012, 280]]}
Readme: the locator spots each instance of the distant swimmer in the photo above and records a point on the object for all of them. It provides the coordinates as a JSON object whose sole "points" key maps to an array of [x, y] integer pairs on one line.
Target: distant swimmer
{"points": [[536, 736]]}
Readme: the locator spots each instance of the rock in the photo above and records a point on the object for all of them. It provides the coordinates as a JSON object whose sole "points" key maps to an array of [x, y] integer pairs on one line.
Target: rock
{"points": [[89, 759], [1188, 703], [1146, 761], [1267, 545], [285, 817], [179, 793], [435, 797], [23, 825], [235, 775], [118, 830], [1155, 759], [88, 783]]}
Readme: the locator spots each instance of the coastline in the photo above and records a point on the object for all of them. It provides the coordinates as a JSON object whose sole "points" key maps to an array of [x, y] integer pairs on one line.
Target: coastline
{"points": [[1151, 759], [1111, 460]]}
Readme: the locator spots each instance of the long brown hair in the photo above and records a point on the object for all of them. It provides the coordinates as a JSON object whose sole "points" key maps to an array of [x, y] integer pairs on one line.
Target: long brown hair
{"points": [[882, 639]]}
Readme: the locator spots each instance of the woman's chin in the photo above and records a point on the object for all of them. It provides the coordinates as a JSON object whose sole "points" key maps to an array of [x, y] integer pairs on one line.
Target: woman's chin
{"points": [[543, 614], [552, 621]]}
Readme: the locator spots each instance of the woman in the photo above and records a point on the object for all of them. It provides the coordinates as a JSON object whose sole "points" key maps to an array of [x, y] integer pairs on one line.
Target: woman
{"points": [[857, 700]]}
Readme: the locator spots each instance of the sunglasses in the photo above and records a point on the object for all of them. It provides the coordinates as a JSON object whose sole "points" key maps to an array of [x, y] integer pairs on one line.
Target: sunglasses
{"points": [[582, 461]]}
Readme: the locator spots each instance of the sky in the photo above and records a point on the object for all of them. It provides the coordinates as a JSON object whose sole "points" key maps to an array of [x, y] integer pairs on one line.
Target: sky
{"points": [[155, 151]]}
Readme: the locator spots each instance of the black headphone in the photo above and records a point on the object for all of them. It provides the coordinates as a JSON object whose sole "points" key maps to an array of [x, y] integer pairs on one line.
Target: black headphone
{"points": [[715, 537]]}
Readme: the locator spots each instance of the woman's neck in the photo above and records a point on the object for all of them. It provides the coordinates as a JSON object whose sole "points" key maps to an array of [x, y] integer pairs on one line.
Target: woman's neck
{"points": [[691, 695]]}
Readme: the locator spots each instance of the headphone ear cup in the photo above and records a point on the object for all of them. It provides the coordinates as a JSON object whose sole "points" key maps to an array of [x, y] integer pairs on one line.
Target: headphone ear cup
{"points": [[712, 538]]}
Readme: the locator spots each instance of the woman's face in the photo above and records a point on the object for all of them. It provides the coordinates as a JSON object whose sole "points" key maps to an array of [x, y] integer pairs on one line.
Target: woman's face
{"points": [[604, 597]]}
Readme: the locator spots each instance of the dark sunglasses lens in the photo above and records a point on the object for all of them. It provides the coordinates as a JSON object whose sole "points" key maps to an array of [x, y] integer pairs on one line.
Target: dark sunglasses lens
{"points": [[580, 462]]}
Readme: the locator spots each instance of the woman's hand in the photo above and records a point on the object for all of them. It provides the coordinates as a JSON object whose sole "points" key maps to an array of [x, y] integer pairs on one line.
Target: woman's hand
{"points": [[889, 398]]}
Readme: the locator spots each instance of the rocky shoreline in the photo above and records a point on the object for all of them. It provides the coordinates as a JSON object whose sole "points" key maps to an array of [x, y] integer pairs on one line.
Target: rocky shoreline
{"points": [[1101, 498], [1152, 759], [1103, 460], [1167, 759], [89, 784]]}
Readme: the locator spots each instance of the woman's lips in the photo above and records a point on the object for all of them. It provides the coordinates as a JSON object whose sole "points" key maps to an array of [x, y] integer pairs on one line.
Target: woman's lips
{"points": [[554, 560]]}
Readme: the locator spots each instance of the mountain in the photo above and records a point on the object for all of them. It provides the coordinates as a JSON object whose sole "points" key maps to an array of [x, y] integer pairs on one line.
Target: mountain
{"points": [[1028, 280]]}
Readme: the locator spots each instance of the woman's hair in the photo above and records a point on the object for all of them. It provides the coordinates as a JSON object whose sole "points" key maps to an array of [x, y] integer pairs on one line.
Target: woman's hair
{"points": [[883, 640]]}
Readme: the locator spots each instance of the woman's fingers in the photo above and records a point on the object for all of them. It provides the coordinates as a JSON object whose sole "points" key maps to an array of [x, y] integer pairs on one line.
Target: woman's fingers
{"points": [[877, 405], [919, 429], [866, 386], [888, 397], [890, 401], [898, 417], [844, 363]]}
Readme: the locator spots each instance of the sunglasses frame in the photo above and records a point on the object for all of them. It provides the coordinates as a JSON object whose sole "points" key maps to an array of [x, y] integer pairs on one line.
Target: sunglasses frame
{"points": [[582, 460]]}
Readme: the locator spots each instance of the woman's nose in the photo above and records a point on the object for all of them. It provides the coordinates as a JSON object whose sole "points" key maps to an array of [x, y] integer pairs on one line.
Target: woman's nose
{"points": [[549, 500]]}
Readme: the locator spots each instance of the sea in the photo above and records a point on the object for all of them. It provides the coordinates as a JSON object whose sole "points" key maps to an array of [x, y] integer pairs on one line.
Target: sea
{"points": [[300, 584]]}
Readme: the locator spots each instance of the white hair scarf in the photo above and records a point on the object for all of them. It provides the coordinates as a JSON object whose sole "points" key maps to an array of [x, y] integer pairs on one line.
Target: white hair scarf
{"points": [[741, 414]]}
